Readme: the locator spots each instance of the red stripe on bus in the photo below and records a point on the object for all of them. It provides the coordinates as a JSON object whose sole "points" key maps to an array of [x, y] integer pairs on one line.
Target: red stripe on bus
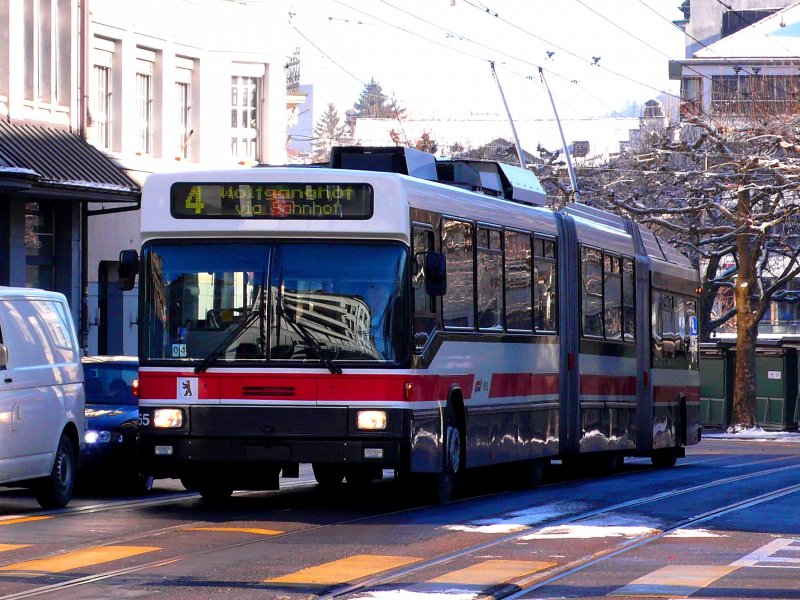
{"points": [[607, 385], [666, 394], [509, 385], [298, 387]]}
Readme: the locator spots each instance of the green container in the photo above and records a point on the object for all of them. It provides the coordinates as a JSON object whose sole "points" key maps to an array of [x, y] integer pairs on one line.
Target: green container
{"points": [[716, 384]]}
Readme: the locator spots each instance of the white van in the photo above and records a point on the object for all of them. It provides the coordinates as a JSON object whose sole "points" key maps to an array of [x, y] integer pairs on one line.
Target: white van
{"points": [[41, 394]]}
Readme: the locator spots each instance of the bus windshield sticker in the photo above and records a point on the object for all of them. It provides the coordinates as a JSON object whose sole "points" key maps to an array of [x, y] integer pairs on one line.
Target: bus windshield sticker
{"points": [[271, 200]]}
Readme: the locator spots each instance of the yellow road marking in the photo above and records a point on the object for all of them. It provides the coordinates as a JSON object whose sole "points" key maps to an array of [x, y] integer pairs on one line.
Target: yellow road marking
{"points": [[675, 581], [344, 570], [493, 572], [7, 547], [77, 559], [22, 520], [254, 530]]}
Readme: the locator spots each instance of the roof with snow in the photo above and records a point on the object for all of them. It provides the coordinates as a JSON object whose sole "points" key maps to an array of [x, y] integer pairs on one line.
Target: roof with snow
{"points": [[775, 36], [55, 161]]}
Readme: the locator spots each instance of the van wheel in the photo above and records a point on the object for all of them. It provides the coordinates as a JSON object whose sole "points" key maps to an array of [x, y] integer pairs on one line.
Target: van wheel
{"points": [[55, 490]]}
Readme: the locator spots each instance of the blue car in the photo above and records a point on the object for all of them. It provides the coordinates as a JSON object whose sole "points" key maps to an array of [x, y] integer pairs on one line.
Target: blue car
{"points": [[112, 423]]}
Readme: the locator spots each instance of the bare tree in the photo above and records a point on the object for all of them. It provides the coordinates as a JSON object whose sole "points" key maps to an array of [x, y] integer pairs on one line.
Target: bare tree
{"points": [[728, 197]]}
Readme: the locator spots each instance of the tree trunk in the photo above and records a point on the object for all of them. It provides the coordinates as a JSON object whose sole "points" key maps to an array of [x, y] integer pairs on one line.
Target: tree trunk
{"points": [[744, 392]]}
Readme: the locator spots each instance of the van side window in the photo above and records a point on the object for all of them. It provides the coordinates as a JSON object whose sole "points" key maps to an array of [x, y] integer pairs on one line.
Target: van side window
{"points": [[458, 304], [41, 331]]}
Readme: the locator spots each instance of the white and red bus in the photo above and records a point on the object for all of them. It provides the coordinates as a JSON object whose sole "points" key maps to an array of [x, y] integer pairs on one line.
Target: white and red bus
{"points": [[394, 311]]}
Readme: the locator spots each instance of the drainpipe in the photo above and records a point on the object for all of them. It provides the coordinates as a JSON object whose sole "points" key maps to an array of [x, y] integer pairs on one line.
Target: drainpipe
{"points": [[83, 103]]}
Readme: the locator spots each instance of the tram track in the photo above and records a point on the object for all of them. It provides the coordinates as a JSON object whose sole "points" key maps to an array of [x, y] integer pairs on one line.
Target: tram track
{"points": [[366, 584]]}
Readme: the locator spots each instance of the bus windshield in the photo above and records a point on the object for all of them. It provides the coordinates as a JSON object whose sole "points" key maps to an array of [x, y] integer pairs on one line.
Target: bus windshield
{"points": [[323, 303]]}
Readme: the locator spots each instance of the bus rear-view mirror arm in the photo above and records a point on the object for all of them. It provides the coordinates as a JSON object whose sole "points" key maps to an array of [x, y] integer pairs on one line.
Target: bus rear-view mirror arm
{"points": [[435, 274]]}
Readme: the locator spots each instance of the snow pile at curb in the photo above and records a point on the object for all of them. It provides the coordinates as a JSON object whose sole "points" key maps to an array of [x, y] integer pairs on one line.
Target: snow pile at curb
{"points": [[737, 432]]}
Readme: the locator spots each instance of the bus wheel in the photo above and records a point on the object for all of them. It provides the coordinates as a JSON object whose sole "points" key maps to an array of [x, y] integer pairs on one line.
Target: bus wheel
{"points": [[452, 471], [215, 494], [327, 475], [664, 458], [530, 473]]}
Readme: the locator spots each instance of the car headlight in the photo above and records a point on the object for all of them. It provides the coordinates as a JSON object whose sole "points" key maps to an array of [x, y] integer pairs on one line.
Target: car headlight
{"points": [[167, 418], [371, 419], [94, 436]]}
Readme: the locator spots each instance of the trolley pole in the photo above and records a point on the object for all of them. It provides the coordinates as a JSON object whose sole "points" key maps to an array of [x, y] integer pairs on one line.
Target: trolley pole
{"points": [[510, 120], [573, 180]]}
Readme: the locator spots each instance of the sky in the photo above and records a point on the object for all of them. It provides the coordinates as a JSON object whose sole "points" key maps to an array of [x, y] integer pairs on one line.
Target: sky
{"points": [[434, 56]]}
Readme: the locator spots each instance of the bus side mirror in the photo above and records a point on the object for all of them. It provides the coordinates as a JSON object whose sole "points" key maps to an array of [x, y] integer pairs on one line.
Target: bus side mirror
{"points": [[435, 274], [127, 269]]}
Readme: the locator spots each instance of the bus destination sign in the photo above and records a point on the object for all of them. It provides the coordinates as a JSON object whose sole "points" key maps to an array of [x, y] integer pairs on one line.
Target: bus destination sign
{"points": [[271, 200]]}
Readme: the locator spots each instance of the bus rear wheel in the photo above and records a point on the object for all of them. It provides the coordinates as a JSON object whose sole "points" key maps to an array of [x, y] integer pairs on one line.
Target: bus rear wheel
{"points": [[327, 475], [214, 493], [664, 458]]}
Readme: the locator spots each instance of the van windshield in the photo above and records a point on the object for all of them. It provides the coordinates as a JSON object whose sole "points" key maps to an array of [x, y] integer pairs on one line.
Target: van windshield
{"points": [[326, 303]]}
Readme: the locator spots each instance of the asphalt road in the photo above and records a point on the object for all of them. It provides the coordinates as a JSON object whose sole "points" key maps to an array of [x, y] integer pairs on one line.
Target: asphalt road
{"points": [[724, 523]]}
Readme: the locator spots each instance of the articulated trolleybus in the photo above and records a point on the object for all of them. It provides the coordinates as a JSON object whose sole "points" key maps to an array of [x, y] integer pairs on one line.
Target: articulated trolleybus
{"points": [[394, 311]]}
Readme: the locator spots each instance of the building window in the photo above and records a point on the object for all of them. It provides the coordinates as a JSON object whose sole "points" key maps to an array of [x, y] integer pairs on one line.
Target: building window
{"points": [[101, 106], [144, 107], [184, 118], [754, 94], [691, 96], [245, 99], [40, 245], [183, 92]]}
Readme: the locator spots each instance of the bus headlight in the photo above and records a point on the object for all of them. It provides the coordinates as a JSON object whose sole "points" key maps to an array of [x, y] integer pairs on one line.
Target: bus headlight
{"points": [[167, 418], [371, 419]]}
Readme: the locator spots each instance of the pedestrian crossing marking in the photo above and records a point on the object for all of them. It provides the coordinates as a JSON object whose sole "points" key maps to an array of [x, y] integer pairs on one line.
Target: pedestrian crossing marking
{"points": [[766, 555], [76, 559], [7, 547], [675, 581], [492, 572], [253, 530], [344, 570], [16, 520]]}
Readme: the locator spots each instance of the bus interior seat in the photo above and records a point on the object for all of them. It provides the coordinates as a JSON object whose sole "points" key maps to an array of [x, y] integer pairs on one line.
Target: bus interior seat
{"points": [[247, 350]]}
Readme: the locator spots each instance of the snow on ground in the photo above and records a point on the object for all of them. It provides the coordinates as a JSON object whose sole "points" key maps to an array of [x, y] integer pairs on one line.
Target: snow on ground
{"points": [[599, 527], [518, 520], [752, 434], [693, 533]]}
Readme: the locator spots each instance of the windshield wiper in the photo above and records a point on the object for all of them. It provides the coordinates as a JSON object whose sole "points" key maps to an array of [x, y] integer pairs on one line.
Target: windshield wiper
{"points": [[229, 339], [309, 340]]}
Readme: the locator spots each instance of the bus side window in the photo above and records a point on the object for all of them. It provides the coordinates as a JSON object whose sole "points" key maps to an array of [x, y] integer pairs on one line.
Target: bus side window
{"points": [[612, 296], [592, 292], [628, 299], [490, 279], [545, 298], [424, 304], [519, 259], [458, 304]]}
